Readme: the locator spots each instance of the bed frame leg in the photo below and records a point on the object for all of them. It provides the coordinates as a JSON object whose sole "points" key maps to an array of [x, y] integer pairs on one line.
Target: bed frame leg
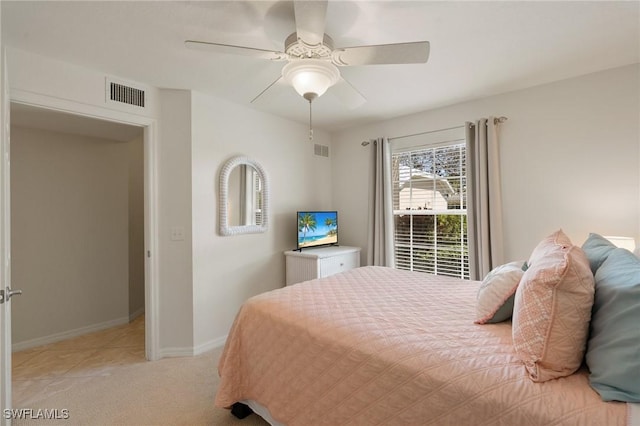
{"points": [[241, 410]]}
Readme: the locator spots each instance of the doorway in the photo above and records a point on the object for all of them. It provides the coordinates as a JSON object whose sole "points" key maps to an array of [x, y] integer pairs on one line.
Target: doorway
{"points": [[151, 240], [77, 189], [77, 219]]}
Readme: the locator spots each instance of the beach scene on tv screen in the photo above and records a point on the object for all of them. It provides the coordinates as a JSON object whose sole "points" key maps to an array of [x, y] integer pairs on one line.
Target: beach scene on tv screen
{"points": [[317, 229]]}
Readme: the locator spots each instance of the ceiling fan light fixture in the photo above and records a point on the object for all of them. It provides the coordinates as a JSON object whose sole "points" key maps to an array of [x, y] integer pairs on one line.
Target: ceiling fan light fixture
{"points": [[310, 76]]}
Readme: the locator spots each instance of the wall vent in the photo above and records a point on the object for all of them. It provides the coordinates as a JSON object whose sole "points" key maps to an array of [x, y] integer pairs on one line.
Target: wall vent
{"points": [[126, 94], [321, 150]]}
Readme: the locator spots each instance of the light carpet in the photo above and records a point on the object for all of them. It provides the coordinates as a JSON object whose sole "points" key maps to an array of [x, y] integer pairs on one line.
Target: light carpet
{"points": [[171, 391]]}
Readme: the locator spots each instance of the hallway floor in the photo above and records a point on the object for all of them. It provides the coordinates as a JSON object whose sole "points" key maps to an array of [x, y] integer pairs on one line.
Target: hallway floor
{"points": [[57, 367]]}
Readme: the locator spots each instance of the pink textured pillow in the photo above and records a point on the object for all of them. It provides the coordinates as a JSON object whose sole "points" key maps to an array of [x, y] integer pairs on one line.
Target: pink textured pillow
{"points": [[552, 309]]}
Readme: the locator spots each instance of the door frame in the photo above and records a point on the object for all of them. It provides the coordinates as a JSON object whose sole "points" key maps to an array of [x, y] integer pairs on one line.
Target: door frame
{"points": [[5, 245], [149, 126]]}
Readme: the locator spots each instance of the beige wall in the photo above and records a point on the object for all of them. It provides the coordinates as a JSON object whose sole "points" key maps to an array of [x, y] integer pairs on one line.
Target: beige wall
{"points": [[69, 208], [135, 158], [174, 210], [569, 159], [228, 270], [205, 277]]}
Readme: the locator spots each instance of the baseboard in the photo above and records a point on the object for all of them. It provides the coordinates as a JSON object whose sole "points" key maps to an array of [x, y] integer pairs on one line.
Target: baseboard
{"points": [[135, 314], [193, 351], [175, 352], [212, 344], [52, 338], [164, 353]]}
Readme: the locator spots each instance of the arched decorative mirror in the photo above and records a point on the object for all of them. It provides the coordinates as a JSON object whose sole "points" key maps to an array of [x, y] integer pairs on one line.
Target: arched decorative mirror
{"points": [[244, 197]]}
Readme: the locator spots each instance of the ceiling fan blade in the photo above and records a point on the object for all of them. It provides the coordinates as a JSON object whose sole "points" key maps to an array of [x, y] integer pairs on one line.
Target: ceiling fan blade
{"points": [[236, 50], [399, 53], [278, 81], [347, 94], [310, 20]]}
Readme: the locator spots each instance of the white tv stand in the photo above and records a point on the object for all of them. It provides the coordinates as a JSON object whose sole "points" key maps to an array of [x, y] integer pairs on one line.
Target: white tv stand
{"points": [[319, 262]]}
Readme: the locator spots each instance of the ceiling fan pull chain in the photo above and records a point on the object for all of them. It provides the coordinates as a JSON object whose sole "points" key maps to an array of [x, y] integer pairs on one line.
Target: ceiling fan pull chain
{"points": [[310, 122]]}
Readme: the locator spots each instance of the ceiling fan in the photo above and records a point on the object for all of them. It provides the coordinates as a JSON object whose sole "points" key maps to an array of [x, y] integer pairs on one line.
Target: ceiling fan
{"points": [[313, 61]]}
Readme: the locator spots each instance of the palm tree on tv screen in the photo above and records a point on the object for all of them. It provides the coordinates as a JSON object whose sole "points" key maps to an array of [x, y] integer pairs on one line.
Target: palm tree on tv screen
{"points": [[331, 224], [306, 223]]}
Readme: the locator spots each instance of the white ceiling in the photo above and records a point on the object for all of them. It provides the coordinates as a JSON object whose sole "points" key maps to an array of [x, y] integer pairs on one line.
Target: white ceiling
{"points": [[477, 48]]}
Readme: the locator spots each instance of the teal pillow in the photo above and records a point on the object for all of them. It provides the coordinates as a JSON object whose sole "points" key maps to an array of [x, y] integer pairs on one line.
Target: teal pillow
{"points": [[613, 349], [597, 248]]}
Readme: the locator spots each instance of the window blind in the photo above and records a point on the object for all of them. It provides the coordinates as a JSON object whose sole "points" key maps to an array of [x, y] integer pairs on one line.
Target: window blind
{"points": [[430, 208]]}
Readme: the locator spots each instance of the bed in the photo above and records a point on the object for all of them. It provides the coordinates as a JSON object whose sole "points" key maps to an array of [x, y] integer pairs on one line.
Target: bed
{"points": [[380, 346]]}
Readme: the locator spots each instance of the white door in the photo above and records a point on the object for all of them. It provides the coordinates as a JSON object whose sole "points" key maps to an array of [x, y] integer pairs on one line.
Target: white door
{"points": [[5, 250]]}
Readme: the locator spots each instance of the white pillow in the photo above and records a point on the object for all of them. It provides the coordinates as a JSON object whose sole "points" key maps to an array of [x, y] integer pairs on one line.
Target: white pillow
{"points": [[497, 292]]}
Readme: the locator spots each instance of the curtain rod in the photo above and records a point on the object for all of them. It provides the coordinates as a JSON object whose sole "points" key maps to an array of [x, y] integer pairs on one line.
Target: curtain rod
{"points": [[496, 120]]}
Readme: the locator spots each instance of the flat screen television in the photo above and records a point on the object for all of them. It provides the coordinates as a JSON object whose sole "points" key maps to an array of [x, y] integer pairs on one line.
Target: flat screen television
{"points": [[317, 228]]}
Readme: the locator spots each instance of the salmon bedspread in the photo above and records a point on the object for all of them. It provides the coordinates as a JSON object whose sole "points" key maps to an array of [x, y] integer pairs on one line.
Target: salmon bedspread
{"points": [[380, 346]]}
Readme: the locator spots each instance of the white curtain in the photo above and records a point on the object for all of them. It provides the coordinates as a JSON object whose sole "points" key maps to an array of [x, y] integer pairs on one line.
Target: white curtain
{"points": [[381, 226], [484, 198]]}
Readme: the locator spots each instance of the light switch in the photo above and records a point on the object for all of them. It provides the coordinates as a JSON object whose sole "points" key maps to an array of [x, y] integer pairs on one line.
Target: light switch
{"points": [[177, 233]]}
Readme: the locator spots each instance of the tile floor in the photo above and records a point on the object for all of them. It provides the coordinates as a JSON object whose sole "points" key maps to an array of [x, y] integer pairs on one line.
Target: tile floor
{"points": [[56, 367]]}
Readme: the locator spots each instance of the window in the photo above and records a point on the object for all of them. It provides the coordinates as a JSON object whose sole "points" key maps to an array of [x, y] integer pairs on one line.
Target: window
{"points": [[430, 209]]}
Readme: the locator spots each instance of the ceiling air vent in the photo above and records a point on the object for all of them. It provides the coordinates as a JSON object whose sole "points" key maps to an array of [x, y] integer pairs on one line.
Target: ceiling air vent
{"points": [[124, 93], [321, 150], [127, 95]]}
